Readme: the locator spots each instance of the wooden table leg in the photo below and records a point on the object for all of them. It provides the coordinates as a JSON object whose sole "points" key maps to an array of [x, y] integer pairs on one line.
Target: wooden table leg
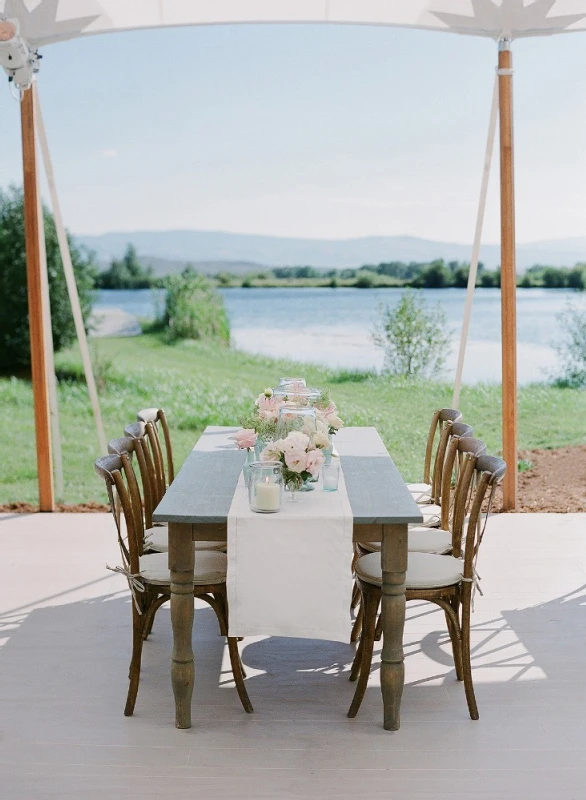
{"points": [[181, 564], [394, 567]]}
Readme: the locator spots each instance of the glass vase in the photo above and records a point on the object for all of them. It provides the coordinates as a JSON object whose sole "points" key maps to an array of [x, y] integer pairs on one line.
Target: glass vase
{"points": [[294, 486], [265, 486], [293, 417], [250, 457]]}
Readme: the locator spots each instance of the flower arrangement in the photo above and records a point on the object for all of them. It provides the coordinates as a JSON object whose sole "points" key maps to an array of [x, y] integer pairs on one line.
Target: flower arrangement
{"points": [[263, 418], [245, 438], [327, 412], [300, 454]]}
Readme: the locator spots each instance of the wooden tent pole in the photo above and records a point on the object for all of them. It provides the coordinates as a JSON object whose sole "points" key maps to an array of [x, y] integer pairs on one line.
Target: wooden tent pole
{"points": [[35, 306], [508, 275]]}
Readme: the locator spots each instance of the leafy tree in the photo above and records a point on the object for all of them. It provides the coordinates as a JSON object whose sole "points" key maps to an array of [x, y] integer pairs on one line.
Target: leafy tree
{"points": [[435, 276], [415, 338], [461, 277], [366, 280], [128, 273], [554, 278], [194, 309], [14, 328], [577, 277], [572, 349]]}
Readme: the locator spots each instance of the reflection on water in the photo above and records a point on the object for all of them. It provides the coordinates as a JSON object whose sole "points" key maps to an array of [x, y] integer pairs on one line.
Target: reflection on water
{"points": [[332, 326]]}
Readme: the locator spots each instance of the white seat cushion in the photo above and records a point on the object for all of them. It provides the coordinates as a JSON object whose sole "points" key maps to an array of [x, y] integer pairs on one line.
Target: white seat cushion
{"points": [[424, 570], [421, 492], [210, 567], [157, 538], [431, 516], [421, 540]]}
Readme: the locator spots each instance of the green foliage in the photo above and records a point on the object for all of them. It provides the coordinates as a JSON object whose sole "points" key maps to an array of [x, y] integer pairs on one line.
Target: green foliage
{"points": [[572, 349], [127, 273], [194, 309], [366, 280], [14, 329], [413, 336], [200, 383]]}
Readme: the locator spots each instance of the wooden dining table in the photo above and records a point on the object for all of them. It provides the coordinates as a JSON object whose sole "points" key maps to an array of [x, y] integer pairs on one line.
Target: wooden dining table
{"points": [[196, 508]]}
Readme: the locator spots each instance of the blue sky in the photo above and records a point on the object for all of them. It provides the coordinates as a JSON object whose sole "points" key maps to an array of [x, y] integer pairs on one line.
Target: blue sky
{"points": [[321, 131]]}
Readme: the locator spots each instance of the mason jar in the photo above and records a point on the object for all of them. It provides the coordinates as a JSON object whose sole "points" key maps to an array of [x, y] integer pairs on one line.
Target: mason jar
{"points": [[265, 486]]}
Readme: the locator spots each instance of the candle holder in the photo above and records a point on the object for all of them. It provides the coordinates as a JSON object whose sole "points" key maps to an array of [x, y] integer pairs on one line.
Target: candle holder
{"points": [[265, 486], [293, 383]]}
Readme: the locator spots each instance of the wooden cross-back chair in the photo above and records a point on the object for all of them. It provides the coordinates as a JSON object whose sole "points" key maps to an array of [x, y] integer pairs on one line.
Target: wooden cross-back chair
{"points": [[427, 492], [148, 574], [446, 580], [154, 416], [156, 536]]}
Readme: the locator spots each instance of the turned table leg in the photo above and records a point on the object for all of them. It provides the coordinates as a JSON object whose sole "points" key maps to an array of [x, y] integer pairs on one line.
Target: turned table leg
{"points": [[394, 567], [181, 564]]}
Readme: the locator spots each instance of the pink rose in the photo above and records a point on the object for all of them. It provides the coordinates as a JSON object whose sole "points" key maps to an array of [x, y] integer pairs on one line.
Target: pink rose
{"points": [[268, 407], [244, 438], [314, 462], [296, 461]]}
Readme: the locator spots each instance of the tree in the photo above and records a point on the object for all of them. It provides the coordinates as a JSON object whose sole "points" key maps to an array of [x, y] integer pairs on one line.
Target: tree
{"points": [[435, 276], [194, 309], [577, 277], [572, 349], [14, 328], [128, 273], [414, 337]]}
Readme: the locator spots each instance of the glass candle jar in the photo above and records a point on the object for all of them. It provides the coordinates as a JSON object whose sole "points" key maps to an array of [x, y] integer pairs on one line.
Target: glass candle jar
{"points": [[295, 417], [302, 395], [293, 383], [265, 486]]}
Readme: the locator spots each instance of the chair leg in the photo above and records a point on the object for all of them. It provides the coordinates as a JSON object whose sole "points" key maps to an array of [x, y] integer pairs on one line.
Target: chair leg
{"points": [[154, 603], [357, 627], [370, 604], [219, 607], [456, 646], [466, 665], [238, 673], [134, 671], [355, 596], [378, 632]]}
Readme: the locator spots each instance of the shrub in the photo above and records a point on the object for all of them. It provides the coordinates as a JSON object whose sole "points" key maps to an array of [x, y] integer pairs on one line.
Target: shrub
{"points": [[14, 328], [366, 280], [194, 309], [414, 337], [572, 349]]}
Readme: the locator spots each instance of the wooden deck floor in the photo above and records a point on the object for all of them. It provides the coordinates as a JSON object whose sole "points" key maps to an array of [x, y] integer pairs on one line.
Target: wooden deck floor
{"points": [[65, 643]]}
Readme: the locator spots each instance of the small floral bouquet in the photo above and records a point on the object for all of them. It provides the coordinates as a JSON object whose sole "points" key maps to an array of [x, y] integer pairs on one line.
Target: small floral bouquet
{"points": [[263, 419], [245, 438], [327, 412], [301, 456]]}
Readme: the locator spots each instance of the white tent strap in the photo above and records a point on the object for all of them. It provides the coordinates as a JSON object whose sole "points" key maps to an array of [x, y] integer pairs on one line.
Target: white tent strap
{"points": [[506, 71], [476, 246], [70, 276]]}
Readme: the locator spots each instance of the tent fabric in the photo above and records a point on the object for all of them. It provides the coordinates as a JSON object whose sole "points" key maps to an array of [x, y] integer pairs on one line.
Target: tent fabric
{"points": [[47, 21]]}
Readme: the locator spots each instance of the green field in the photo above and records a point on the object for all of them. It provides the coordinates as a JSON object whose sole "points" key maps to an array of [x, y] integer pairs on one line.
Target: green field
{"points": [[200, 384]]}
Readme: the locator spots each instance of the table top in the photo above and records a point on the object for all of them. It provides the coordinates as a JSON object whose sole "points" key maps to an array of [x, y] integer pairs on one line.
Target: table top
{"points": [[203, 489]]}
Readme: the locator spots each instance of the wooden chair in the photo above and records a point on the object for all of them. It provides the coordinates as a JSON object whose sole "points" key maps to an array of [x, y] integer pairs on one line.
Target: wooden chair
{"points": [[156, 416], [448, 581], [149, 577], [424, 492], [156, 535]]}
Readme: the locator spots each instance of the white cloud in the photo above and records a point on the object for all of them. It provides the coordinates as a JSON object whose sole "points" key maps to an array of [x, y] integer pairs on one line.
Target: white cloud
{"points": [[109, 153]]}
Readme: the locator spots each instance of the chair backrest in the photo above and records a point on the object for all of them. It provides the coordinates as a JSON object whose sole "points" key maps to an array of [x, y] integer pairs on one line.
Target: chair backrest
{"points": [[154, 416], [124, 494], [459, 450], [448, 431], [438, 420], [136, 444], [488, 473]]}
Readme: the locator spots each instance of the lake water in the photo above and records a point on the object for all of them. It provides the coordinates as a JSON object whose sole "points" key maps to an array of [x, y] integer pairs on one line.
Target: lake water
{"points": [[333, 326]]}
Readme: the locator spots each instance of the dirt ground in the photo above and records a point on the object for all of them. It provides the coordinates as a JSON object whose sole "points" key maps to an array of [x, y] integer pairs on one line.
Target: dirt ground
{"points": [[556, 483]]}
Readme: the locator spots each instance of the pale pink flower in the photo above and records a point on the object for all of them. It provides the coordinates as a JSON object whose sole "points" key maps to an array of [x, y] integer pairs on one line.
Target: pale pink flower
{"points": [[320, 439], [314, 462], [296, 441], [244, 438], [268, 407], [272, 452], [334, 421], [296, 460]]}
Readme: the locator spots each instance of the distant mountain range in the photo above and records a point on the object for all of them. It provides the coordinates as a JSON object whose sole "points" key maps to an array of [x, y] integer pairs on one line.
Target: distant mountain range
{"points": [[212, 251]]}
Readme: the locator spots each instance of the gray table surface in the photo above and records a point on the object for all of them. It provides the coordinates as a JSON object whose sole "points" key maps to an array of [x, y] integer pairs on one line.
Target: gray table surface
{"points": [[203, 489]]}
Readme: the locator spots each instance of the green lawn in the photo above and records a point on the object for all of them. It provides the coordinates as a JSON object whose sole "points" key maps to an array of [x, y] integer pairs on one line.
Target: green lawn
{"points": [[200, 384]]}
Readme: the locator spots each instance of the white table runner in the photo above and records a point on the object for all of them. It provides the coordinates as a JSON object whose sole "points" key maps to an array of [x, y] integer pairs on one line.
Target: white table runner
{"points": [[289, 573]]}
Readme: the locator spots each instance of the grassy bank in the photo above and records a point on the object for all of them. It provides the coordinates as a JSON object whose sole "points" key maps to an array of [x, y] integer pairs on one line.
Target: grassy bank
{"points": [[200, 384]]}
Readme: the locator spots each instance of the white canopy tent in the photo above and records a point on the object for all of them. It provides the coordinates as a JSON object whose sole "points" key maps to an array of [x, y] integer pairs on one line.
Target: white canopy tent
{"points": [[43, 22]]}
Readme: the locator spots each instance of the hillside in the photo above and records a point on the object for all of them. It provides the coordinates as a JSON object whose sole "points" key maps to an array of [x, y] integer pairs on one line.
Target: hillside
{"points": [[235, 252]]}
